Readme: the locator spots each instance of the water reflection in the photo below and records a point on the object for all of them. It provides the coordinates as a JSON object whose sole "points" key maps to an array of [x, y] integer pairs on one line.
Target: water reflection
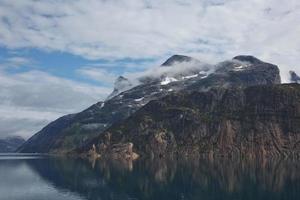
{"points": [[18, 181], [169, 179]]}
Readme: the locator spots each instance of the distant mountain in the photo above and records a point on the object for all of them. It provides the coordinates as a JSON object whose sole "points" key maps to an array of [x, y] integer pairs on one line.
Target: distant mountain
{"points": [[179, 73], [294, 78], [10, 144]]}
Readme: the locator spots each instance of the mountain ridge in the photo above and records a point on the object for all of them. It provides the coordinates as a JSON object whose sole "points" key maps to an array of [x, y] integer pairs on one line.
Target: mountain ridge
{"points": [[72, 131], [10, 144]]}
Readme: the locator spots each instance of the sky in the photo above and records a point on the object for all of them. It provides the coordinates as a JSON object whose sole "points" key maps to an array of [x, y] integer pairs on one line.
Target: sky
{"points": [[59, 56]]}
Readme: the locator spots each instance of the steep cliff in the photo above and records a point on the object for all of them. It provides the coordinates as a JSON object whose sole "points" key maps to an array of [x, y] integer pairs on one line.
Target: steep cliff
{"points": [[258, 121]]}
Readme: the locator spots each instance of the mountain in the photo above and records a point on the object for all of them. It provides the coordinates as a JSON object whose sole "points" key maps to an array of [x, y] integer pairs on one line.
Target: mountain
{"points": [[10, 144], [257, 121], [72, 131], [294, 78], [177, 59], [120, 85]]}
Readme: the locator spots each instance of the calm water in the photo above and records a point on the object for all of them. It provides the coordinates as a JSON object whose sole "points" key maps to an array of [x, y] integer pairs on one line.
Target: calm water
{"points": [[35, 177]]}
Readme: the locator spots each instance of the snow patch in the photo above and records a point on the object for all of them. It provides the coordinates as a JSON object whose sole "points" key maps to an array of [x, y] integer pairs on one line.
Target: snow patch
{"points": [[205, 76], [190, 76], [168, 80], [93, 126], [102, 105], [240, 68], [140, 99]]}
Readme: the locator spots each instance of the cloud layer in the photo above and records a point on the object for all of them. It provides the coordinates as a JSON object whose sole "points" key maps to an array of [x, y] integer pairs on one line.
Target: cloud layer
{"points": [[32, 99], [143, 28]]}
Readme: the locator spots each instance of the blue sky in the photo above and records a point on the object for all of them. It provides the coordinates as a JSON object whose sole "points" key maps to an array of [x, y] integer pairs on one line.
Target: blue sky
{"points": [[59, 56], [67, 65]]}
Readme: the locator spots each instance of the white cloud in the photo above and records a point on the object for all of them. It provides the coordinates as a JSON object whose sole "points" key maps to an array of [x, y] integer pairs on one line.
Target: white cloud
{"points": [[140, 28], [210, 30], [98, 74], [30, 100], [177, 69], [14, 62]]}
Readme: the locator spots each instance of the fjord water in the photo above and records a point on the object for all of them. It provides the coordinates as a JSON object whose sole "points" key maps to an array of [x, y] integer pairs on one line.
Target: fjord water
{"points": [[32, 177]]}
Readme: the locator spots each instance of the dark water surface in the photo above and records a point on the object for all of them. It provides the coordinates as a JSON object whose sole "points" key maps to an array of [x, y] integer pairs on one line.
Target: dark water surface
{"points": [[33, 177]]}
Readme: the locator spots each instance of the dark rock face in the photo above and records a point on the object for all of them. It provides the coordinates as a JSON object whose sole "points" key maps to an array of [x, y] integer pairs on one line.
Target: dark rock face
{"points": [[247, 58], [72, 131], [259, 121], [294, 77], [10, 144]]}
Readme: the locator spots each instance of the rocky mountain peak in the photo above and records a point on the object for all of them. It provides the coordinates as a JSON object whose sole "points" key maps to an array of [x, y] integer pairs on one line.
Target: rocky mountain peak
{"points": [[121, 84], [177, 59], [247, 58], [294, 78]]}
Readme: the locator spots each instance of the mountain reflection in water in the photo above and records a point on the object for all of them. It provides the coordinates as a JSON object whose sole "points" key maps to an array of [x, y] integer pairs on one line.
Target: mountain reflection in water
{"points": [[167, 179]]}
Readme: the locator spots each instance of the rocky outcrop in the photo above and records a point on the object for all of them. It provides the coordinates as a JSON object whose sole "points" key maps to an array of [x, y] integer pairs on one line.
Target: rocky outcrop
{"points": [[258, 121], [294, 78], [121, 151]]}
